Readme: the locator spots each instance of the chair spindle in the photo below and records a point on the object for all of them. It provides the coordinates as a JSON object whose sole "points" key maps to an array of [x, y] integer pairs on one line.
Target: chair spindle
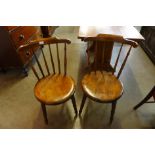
{"points": [[88, 53], [65, 59], [58, 58], [51, 59], [35, 72], [118, 58], [38, 64], [45, 61], [124, 62], [95, 57]]}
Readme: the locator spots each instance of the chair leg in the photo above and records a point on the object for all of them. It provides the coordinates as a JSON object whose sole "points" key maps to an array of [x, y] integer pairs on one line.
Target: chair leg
{"points": [[44, 112], [151, 93], [112, 111], [82, 104], [74, 104]]}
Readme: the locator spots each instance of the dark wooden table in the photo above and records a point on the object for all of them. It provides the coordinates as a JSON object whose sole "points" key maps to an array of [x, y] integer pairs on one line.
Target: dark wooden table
{"points": [[128, 32]]}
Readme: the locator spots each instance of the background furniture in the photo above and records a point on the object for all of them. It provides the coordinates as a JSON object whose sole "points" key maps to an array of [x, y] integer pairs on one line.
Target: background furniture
{"points": [[47, 31], [127, 32], [148, 44], [56, 87], [11, 37], [145, 100], [100, 85]]}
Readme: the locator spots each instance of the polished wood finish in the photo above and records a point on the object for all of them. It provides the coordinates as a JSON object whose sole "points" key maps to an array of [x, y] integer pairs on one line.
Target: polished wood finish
{"points": [[120, 33], [102, 84], [145, 100], [105, 44], [11, 38], [127, 32], [22, 34], [53, 87]]}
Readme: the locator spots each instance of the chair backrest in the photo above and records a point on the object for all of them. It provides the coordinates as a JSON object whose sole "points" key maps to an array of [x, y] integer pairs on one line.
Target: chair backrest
{"points": [[105, 43], [40, 43]]}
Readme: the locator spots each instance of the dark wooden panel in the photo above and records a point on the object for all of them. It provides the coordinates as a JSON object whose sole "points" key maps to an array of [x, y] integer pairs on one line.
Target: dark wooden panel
{"points": [[8, 58], [148, 44], [22, 34], [47, 31], [11, 40]]}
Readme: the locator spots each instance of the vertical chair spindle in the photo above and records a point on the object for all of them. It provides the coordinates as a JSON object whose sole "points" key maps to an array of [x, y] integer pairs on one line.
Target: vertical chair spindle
{"points": [[65, 59], [34, 70], [45, 61], [124, 62], [58, 58], [118, 58], [95, 57], [38, 64], [88, 53], [51, 58]]}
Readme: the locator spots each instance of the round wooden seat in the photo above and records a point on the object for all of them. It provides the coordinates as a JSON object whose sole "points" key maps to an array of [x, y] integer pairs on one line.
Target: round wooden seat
{"points": [[102, 86], [54, 89]]}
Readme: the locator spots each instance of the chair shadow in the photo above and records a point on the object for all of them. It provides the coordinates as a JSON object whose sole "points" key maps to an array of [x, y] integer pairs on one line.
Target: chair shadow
{"points": [[145, 117], [59, 117], [96, 116]]}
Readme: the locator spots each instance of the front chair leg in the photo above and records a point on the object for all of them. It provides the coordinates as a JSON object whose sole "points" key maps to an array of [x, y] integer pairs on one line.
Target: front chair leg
{"points": [[44, 112], [82, 104], [112, 111], [74, 104]]}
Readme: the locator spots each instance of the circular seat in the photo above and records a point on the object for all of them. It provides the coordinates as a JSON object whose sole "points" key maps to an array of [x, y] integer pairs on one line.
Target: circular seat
{"points": [[102, 86], [54, 89]]}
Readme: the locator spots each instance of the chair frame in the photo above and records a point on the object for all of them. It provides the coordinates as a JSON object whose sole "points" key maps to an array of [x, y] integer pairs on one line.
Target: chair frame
{"points": [[145, 100], [40, 43], [109, 41]]}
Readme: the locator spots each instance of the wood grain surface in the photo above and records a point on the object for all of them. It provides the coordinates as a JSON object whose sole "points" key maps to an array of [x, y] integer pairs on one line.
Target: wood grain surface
{"points": [[54, 89], [102, 86], [127, 32]]}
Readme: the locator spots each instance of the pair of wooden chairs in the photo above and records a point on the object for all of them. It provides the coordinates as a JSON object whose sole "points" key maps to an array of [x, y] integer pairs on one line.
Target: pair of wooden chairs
{"points": [[99, 84]]}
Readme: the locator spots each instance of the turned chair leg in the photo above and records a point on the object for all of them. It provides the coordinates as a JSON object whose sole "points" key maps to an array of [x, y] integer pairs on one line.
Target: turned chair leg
{"points": [[112, 111], [82, 104], [44, 112], [74, 104], [151, 93]]}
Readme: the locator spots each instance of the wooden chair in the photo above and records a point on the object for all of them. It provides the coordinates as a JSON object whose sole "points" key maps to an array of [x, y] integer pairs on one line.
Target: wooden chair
{"points": [[101, 84], [55, 88], [145, 100]]}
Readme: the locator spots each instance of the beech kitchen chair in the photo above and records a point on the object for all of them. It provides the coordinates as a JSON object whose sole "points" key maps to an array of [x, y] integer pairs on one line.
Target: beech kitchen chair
{"points": [[101, 84], [56, 87]]}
